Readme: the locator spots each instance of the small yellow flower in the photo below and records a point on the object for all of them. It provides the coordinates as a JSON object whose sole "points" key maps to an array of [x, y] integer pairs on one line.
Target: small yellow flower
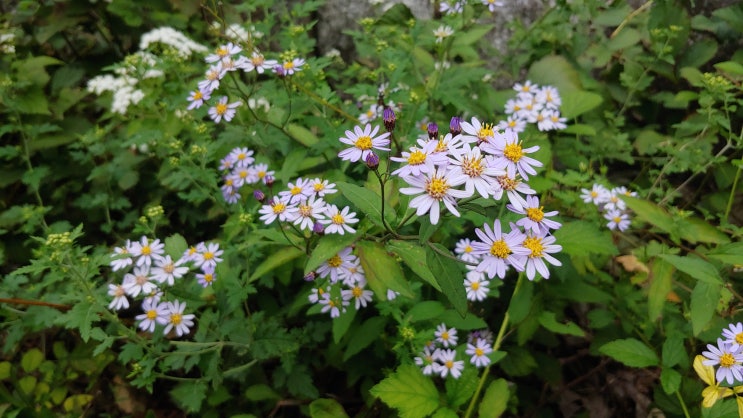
{"points": [[712, 393]]}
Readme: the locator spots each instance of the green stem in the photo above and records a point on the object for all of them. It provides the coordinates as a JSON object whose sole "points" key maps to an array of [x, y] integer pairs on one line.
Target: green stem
{"points": [[324, 102], [381, 191], [683, 405]]}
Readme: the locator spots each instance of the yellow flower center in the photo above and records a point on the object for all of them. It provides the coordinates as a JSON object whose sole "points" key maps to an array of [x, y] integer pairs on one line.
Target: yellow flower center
{"points": [[221, 108], [616, 219], [241, 156], [442, 146], [479, 352], [208, 255], [338, 219], [257, 60], [512, 124], [222, 51], [363, 143], [278, 207], [449, 364], [727, 360], [212, 75], [437, 187], [500, 249], [535, 245], [305, 210], [169, 268], [228, 182], [335, 261], [146, 250], [513, 152], [468, 249], [261, 174], [535, 214], [288, 65], [739, 338], [151, 314], [475, 285], [141, 279], [119, 292], [445, 335], [594, 194], [416, 157], [508, 183], [357, 292], [555, 118], [485, 131], [318, 187], [472, 166], [243, 174], [295, 190], [175, 318], [197, 95], [208, 277]]}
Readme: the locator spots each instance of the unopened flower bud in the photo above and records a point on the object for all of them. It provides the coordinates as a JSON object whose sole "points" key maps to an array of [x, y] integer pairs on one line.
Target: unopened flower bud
{"points": [[279, 70], [310, 277], [269, 181], [388, 115], [318, 228], [433, 130], [259, 195], [372, 161], [455, 127]]}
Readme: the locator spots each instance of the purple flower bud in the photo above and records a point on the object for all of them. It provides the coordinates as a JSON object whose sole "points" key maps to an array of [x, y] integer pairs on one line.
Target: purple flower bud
{"points": [[310, 277], [259, 195], [372, 161], [318, 228], [389, 119], [269, 181], [455, 127], [279, 70], [433, 130]]}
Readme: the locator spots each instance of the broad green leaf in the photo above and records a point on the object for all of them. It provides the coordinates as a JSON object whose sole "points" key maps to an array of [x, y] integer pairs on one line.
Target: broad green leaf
{"points": [[27, 384], [31, 360], [367, 202], [631, 352], [382, 271], [650, 213], [454, 319], [278, 258], [577, 102], [579, 238], [81, 317], [31, 101], [189, 395], [694, 267], [327, 247], [77, 403], [495, 400], [261, 392], [175, 246], [302, 135], [459, 391], [693, 76], [327, 408], [408, 391], [673, 351], [428, 309], [730, 67], [549, 321], [471, 35], [414, 256], [670, 380], [449, 277], [625, 38], [660, 285], [704, 299], [364, 335], [5, 368], [556, 71], [695, 230], [342, 323], [444, 412], [729, 253], [521, 302]]}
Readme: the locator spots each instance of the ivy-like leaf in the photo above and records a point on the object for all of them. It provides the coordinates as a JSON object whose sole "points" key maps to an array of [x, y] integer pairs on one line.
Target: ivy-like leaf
{"points": [[408, 391]]}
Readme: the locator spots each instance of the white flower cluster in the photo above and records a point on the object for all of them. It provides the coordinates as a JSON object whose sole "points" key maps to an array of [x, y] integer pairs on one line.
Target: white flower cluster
{"points": [[534, 104], [440, 355], [727, 355], [610, 203], [151, 269], [237, 33], [454, 7], [6, 43], [241, 169], [228, 58], [344, 281], [303, 204], [173, 38]]}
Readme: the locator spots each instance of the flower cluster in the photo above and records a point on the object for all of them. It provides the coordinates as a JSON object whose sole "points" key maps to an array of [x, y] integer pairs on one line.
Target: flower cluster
{"points": [[440, 355], [534, 104], [151, 270], [526, 247], [303, 204], [610, 203], [454, 7], [228, 58], [727, 355], [240, 169], [344, 282]]}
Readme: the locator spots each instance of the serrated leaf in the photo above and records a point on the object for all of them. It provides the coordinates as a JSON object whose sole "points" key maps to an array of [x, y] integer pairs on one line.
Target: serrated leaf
{"points": [[579, 238], [81, 317], [364, 335], [704, 299], [459, 391], [670, 380], [278, 258], [660, 285], [449, 277], [327, 247], [577, 102], [327, 408], [428, 309], [31, 360], [549, 321], [189, 395], [631, 352], [729, 253], [382, 271], [367, 201], [175, 246], [414, 256], [408, 391], [495, 400], [695, 267]]}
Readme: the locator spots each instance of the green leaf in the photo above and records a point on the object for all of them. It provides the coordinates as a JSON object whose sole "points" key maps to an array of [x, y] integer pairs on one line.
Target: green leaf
{"points": [[189, 395], [444, 412], [459, 391], [81, 316], [364, 335], [694, 267], [670, 380], [327, 247], [454, 319], [730, 67], [408, 391], [77, 403], [261, 392], [5, 368], [704, 299], [326, 408], [31, 101], [579, 238], [302, 135], [382, 271], [175, 246], [425, 310], [631, 352], [580, 129], [367, 201], [27, 384], [577, 102], [31, 360], [660, 285], [650, 213], [695, 230], [471, 35], [673, 351], [547, 320], [449, 277], [520, 304], [626, 38], [414, 256], [342, 323], [278, 258], [556, 71], [495, 400], [729, 253]]}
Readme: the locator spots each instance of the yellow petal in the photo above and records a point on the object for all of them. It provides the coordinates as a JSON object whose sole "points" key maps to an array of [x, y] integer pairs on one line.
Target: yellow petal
{"points": [[706, 373], [739, 401], [710, 396]]}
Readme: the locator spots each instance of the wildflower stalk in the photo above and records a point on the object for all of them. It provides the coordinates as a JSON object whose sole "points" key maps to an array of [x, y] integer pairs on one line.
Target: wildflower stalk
{"points": [[683, 405], [324, 102], [381, 191]]}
